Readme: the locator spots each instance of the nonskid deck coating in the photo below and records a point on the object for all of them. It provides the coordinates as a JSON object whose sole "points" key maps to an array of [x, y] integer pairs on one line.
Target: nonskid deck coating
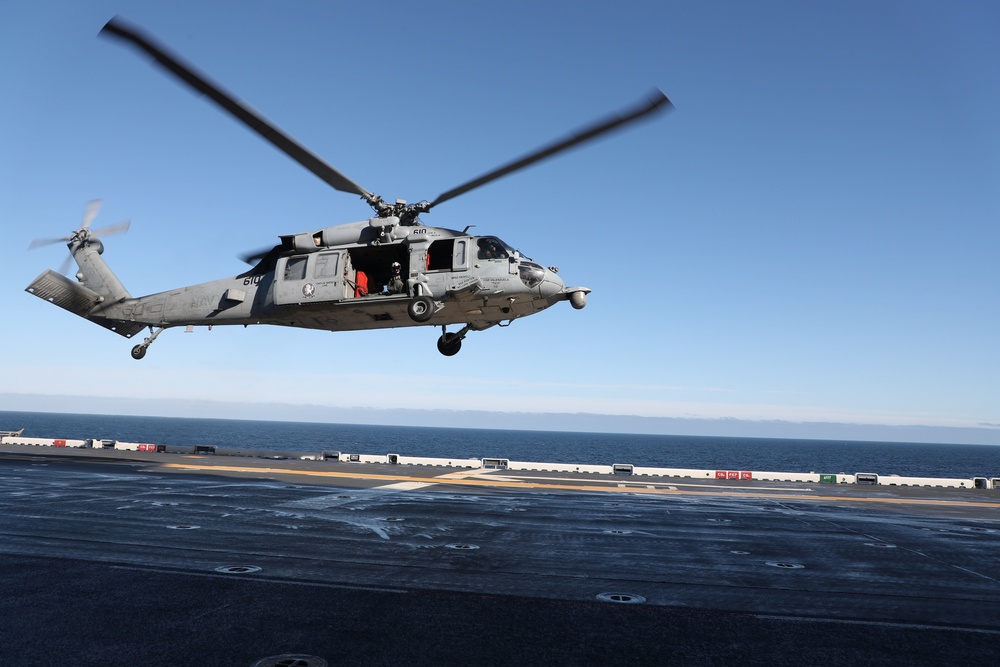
{"points": [[895, 573]]}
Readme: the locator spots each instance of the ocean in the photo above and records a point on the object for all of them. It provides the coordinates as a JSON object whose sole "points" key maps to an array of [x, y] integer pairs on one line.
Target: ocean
{"points": [[670, 451]]}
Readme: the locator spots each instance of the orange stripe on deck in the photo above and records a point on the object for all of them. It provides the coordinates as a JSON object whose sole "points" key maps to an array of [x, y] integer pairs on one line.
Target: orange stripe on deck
{"points": [[580, 487]]}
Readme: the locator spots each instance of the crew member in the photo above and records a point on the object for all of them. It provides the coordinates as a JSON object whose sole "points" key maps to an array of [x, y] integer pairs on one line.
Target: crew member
{"points": [[395, 285]]}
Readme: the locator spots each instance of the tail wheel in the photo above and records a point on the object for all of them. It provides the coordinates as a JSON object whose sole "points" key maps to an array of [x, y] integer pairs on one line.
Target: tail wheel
{"points": [[139, 351], [421, 308], [449, 344]]}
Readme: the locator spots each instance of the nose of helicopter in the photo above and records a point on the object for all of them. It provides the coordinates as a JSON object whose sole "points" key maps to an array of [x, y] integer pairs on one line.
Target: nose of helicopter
{"points": [[551, 284]]}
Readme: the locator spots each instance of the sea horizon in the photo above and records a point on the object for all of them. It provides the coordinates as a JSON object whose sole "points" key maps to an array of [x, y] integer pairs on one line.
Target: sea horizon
{"points": [[656, 450], [979, 434]]}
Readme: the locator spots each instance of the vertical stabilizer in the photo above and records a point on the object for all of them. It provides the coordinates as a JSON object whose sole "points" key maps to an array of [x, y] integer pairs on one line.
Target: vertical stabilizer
{"points": [[97, 291], [95, 274]]}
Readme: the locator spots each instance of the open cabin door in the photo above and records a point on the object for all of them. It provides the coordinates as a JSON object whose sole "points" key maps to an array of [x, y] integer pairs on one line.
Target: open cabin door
{"points": [[314, 277], [449, 255]]}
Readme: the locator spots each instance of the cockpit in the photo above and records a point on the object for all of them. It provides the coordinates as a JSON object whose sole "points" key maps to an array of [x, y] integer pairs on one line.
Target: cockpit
{"points": [[531, 274], [490, 247]]}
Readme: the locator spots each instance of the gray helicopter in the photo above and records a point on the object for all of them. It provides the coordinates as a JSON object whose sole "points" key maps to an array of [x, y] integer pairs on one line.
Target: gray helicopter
{"points": [[390, 270]]}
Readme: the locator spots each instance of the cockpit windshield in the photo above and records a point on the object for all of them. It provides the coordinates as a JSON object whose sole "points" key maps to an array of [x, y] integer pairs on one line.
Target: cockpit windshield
{"points": [[490, 247]]}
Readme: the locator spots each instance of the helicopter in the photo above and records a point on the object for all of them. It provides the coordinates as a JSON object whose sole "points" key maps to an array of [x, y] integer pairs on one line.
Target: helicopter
{"points": [[389, 270]]}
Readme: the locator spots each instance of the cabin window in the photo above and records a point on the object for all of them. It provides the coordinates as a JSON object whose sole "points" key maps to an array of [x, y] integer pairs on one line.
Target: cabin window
{"points": [[327, 265], [295, 268], [531, 274]]}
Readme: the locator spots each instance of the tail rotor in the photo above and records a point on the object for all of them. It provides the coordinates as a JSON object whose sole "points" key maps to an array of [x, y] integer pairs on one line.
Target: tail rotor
{"points": [[84, 233]]}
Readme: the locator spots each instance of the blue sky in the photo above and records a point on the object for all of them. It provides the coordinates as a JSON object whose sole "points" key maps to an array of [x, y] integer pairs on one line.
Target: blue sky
{"points": [[810, 236]]}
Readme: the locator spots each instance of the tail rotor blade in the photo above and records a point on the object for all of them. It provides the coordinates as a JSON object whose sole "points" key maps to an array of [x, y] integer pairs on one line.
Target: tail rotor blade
{"points": [[120, 228], [38, 243], [83, 233], [93, 207]]}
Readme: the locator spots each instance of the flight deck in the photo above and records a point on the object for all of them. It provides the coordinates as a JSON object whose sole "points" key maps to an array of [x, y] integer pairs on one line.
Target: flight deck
{"points": [[127, 557]]}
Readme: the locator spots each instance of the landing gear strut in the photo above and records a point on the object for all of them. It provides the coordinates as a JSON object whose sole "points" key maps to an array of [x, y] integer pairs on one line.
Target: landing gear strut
{"points": [[139, 351], [450, 343]]}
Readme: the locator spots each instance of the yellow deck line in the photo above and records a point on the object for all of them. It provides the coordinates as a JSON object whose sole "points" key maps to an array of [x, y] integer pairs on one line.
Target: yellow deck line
{"points": [[579, 487]]}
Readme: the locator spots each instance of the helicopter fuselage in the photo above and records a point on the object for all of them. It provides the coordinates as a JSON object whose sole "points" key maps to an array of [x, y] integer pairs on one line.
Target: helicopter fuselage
{"points": [[366, 275], [348, 286]]}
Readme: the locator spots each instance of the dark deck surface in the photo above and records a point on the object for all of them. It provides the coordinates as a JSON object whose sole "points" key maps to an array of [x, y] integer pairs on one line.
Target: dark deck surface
{"points": [[106, 560]]}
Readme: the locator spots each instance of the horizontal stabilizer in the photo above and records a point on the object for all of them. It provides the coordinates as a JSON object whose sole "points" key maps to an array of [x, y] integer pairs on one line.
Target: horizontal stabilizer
{"points": [[77, 299], [60, 290]]}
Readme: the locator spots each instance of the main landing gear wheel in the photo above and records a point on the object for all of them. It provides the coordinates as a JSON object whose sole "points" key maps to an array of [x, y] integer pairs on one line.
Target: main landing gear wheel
{"points": [[139, 351], [421, 308], [449, 344]]}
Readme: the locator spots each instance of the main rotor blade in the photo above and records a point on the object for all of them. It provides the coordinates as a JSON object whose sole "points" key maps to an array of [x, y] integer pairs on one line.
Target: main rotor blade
{"points": [[657, 102], [254, 256], [241, 110]]}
